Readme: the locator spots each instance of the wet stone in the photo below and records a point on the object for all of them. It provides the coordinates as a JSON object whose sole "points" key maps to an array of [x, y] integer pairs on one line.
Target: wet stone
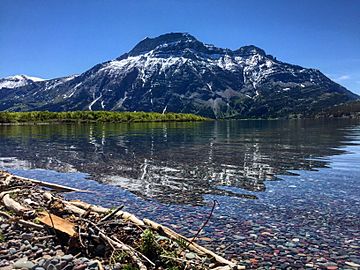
{"points": [[93, 264], [61, 264], [82, 267], [27, 236], [69, 266], [67, 257], [23, 264], [12, 251], [190, 255], [51, 267]]}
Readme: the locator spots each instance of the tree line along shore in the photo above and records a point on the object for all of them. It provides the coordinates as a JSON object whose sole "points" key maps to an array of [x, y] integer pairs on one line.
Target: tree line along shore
{"points": [[95, 116]]}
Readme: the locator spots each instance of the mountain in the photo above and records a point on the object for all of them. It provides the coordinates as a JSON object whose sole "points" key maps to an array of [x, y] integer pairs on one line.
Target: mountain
{"points": [[17, 81], [178, 73]]}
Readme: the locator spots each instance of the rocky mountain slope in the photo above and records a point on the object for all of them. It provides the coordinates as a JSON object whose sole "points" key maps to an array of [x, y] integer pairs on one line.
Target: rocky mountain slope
{"points": [[177, 73]]}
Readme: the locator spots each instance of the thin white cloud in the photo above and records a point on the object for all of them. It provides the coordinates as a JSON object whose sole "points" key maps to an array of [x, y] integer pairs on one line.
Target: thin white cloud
{"points": [[343, 78]]}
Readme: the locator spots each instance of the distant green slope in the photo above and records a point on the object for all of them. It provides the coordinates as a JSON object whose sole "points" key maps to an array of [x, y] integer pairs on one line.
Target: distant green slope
{"points": [[95, 116], [346, 110]]}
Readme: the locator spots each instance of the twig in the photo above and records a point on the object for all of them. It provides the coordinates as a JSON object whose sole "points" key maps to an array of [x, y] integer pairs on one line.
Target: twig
{"points": [[173, 258], [137, 252], [50, 217], [202, 227], [116, 242], [81, 242], [22, 222], [30, 224], [5, 215], [113, 213], [44, 237]]}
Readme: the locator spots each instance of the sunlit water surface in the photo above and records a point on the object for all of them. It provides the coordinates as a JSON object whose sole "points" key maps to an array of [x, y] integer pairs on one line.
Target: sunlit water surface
{"points": [[282, 187]]}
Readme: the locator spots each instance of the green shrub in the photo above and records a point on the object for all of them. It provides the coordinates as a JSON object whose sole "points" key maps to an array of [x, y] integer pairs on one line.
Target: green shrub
{"points": [[149, 246]]}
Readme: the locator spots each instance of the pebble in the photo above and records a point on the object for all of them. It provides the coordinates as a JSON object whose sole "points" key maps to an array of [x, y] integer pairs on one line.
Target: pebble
{"points": [[92, 264], [51, 267], [39, 252], [23, 263], [12, 251], [352, 264], [27, 236], [82, 267], [4, 226], [59, 253], [62, 264], [67, 257]]}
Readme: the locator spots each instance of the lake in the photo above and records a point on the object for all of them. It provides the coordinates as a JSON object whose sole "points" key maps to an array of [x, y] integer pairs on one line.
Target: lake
{"points": [[287, 191]]}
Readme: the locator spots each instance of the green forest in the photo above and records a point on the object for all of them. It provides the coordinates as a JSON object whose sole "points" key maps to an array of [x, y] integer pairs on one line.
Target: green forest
{"points": [[95, 116]]}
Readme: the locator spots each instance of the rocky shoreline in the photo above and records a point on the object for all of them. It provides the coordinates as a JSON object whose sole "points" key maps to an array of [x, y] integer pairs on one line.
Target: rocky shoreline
{"points": [[40, 230]]}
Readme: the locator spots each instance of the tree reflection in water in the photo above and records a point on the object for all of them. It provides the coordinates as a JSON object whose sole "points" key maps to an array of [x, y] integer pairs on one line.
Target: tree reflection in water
{"points": [[177, 162]]}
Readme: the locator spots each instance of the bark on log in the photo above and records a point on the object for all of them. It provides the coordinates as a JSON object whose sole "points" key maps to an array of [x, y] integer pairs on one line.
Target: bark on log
{"points": [[72, 208], [86, 206], [11, 204], [57, 223], [193, 246], [131, 217], [102, 210], [57, 187], [171, 234], [68, 206]]}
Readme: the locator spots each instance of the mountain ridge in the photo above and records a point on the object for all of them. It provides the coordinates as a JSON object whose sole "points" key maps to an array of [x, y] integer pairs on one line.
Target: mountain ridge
{"points": [[175, 72]]}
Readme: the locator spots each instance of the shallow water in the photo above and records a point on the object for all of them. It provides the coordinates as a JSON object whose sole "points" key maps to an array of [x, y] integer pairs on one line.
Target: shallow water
{"points": [[288, 191]]}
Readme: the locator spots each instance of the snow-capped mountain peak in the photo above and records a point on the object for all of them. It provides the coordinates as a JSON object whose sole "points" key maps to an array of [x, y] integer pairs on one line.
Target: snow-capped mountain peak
{"points": [[18, 81], [175, 72]]}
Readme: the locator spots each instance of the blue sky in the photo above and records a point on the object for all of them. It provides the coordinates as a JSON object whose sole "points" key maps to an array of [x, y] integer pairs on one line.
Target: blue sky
{"points": [[48, 38]]}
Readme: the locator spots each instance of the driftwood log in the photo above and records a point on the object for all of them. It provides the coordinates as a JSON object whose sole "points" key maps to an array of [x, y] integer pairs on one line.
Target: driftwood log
{"points": [[7, 178], [162, 229], [191, 245], [82, 209], [11, 204], [53, 186]]}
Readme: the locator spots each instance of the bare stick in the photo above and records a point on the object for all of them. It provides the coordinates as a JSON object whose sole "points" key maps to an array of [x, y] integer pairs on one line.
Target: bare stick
{"points": [[113, 213], [117, 243], [206, 222], [22, 222], [49, 185], [30, 224]]}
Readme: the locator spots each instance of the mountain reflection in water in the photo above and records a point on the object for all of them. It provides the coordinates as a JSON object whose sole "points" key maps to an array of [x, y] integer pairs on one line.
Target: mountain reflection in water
{"points": [[177, 162]]}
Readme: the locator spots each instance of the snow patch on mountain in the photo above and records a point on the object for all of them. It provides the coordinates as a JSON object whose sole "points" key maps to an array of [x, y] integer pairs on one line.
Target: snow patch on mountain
{"points": [[18, 81], [94, 101]]}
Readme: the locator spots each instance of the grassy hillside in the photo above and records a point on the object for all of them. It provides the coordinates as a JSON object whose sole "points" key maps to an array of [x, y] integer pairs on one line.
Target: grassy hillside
{"points": [[95, 116]]}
